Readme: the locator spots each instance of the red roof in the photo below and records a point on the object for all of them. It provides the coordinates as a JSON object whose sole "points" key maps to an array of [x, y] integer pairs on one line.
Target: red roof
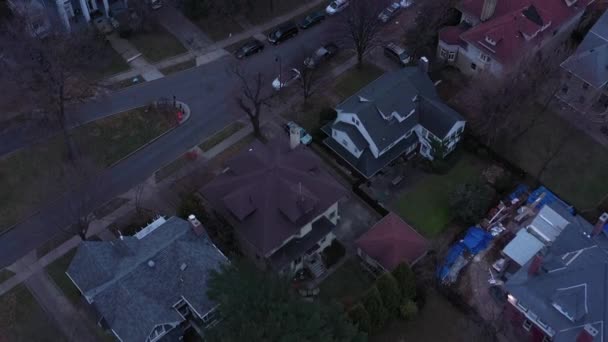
{"points": [[514, 18], [451, 34], [391, 241]]}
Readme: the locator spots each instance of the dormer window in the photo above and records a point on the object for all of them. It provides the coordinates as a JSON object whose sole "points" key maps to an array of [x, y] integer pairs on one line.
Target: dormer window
{"points": [[490, 41], [485, 58]]}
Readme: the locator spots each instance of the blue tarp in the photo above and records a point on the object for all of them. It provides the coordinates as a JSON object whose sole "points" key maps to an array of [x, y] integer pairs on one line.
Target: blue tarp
{"points": [[548, 199], [453, 254], [476, 240], [520, 190]]}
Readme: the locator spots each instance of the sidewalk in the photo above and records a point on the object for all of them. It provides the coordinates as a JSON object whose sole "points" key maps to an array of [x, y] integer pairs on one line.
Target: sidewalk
{"points": [[212, 51]]}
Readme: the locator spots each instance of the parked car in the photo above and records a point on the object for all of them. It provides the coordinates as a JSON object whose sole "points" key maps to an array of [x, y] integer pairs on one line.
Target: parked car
{"points": [[312, 19], [103, 25], [249, 48], [286, 79], [336, 6], [397, 53], [388, 13], [282, 33], [322, 53], [305, 138], [406, 3]]}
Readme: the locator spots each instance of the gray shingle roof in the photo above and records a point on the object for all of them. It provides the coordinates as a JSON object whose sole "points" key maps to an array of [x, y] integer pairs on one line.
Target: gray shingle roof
{"points": [[590, 60], [353, 133], [133, 296], [571, 289], [395, 92]]}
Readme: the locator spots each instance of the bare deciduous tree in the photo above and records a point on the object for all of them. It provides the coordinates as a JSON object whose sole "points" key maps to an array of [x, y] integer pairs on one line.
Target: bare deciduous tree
{"points": [[359, 26], [51, 72], [421, 35], [252, 98]]}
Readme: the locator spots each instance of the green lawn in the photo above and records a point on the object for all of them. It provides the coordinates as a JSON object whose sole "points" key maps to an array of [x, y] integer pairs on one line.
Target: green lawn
{"points": [[426, 205], [221, 135], [22, 318], [5, 275], [179, 67], [56, 270], [26, 185], [347, 283], [157, 45], [577, 174], [218, 28], [116, 64], [171, 168], [356, 78]]}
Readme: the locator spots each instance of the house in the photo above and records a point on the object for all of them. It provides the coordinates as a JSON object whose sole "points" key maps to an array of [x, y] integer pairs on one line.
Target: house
{"points": [[561, 294], [390, 242], [396, 115], [494, 36], [68, 11], [585, 74], [150, 286], [281, 202]]}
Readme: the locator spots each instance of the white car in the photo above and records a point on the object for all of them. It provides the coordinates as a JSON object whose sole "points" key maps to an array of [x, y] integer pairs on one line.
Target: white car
{"points": [[406, 3], [286, 79], [336, 6]]}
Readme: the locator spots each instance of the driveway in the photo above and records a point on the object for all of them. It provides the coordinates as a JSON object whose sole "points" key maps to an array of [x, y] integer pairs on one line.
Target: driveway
{"points": [[355, 219], [209, 90]]}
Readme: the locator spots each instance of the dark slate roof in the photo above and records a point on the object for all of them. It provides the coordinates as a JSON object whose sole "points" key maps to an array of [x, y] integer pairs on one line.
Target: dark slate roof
{"points": [[368, 165], [134, 297], [399, 91], [573, 277], [590, 60], [297, 247], [270, 192], [353, 133]]}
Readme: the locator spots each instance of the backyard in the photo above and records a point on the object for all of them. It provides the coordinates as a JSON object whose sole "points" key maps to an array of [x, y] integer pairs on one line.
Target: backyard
{"points": [[426, 205], [347, 283], [26, 185], [157, 45], [22, 319], [356, 78], [577, 173]]}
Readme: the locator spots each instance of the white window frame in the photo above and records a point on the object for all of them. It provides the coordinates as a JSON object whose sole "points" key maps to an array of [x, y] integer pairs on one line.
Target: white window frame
{"points": [[484, 58], [452, 56], [527, 325], [443, 53]]}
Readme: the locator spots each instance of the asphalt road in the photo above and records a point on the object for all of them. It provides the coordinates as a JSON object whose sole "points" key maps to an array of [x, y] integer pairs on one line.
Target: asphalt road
{"points": [[209, 90]]}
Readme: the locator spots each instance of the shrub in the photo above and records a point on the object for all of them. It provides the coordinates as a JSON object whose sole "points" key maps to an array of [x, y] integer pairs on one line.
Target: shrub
{"points": [[408, 310], [406, 281], [374, 306], [333, 253], [389, 292], [360, 316], [471, 201], [191, 204], [327, 114]]}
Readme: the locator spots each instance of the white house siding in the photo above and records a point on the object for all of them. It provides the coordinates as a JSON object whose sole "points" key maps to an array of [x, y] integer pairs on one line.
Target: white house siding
{"points": [[346, 142], [324, 242], [469, 18], [348, 119]]}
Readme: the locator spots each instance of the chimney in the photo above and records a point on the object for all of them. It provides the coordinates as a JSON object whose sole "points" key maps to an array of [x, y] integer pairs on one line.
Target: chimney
{"points": [[196, 225], [599, 226], [535, 265], [294, 136], [423, 64], [587, 334], [488, 9]]}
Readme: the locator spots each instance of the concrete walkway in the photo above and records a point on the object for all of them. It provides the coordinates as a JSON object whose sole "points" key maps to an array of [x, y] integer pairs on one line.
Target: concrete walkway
{"points": [[196, 41], [135, 59], [53, 301], [183, 29]]}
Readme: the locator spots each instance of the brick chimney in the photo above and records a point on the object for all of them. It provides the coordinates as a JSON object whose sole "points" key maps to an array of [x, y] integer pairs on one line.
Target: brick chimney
{"points": [[294, 136], [587, 334], [535, 265], [599, 226], [488, 9], [196, 225]]}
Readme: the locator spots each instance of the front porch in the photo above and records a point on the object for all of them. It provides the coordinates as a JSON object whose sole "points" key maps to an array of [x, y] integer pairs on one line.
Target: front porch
{"points": [[71, 12]]}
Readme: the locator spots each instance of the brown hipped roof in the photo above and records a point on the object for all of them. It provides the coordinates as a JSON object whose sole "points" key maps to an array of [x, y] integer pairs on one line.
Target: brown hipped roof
{"points": [[270, 192], [391, 241]]}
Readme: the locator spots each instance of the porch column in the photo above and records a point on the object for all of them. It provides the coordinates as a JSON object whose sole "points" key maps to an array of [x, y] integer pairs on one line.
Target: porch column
{"points": [[63, 15], [106, 7], [85, 10], [93, 4], [126, 3]]}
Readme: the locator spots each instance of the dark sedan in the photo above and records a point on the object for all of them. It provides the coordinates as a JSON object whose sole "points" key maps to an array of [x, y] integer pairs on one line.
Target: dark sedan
{"points": [[251, 47], [312, 19]]}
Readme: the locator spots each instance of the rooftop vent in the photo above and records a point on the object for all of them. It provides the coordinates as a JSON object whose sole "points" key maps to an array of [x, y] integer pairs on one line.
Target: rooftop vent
{"points": [[363, 99], [151, 263], [183, 266]]}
